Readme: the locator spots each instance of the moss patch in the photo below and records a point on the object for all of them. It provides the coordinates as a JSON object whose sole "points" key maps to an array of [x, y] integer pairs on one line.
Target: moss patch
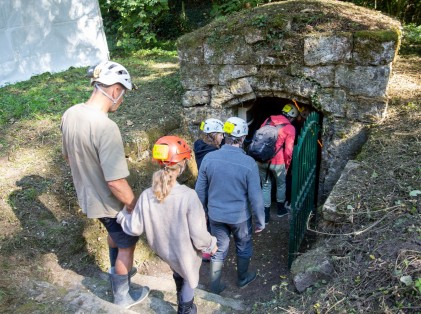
{"points": [[300, 17], [379, 35]]}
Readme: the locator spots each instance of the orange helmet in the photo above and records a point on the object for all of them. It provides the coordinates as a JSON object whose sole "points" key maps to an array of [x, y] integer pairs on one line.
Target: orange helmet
{"points": [[169, 150]]}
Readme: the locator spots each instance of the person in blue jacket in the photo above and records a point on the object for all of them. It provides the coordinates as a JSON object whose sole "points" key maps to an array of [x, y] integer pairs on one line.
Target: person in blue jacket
{"points": [[228, 182]]}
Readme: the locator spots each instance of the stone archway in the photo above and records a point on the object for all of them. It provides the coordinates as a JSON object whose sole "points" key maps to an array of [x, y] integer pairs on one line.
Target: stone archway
{"points": [[333, 56]]}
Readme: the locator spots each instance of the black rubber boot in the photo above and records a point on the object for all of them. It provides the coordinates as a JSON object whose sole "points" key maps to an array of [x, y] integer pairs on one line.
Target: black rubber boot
{"points": [[215, 275], [282, 211], [122, 294], [244, 276], [267, 215], [178, 286], [187, 307]]}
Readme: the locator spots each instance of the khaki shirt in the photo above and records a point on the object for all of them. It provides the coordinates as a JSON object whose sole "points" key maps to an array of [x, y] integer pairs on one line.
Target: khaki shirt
{"points": [[92, 142]]}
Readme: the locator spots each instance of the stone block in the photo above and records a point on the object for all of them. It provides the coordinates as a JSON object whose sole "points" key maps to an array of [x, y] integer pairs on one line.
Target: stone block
{"points": [[330, 210], [375, 47], [253, 36], [368, 110], [191, 55], [220, 95], [332, 101], [240, 87], [368, 81], [321, 75], [230, 72], [196, 98], [295, 85], [342, 138], [310, 268], [368, 53], [233, 50], [327, 49], [194, 77]]}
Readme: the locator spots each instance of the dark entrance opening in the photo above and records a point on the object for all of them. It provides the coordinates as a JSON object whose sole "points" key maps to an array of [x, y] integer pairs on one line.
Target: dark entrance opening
{"points": [[257, 111]]}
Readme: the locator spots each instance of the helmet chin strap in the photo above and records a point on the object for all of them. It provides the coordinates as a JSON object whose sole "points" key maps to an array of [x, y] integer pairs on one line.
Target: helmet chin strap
{"points": [[108, 96]]}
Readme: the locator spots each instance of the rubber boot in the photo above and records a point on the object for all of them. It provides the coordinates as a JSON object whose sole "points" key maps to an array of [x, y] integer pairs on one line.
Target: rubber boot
{"points": [[122, 294], [215, 275], [178, 286], [187, 307], [267, 215], [244, 276], [132, 272], [282, 211]]}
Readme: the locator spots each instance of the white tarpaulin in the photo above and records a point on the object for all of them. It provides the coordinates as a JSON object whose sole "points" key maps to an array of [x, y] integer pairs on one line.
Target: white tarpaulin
{"points": [[38, 36]]}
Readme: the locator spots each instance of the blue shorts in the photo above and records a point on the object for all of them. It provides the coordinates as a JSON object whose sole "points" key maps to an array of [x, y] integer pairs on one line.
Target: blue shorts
{"points": [[121, 239]]}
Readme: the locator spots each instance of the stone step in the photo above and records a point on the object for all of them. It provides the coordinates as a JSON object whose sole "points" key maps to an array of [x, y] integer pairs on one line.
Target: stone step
{"points": [[93, 295]]}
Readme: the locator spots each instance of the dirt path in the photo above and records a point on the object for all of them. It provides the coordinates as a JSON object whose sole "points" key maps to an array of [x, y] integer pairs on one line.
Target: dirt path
{"points": [[270, 258], [40, 216]]}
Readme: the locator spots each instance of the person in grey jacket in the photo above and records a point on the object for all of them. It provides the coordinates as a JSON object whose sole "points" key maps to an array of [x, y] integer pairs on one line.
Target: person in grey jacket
{"points": [[173, 219], [225, 195]]}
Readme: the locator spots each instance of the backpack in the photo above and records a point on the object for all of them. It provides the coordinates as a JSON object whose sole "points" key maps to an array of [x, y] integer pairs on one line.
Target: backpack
{"points": [[262, 146]]}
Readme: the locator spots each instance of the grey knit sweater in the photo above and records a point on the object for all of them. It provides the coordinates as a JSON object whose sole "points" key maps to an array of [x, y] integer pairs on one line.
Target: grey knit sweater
{"points": [[175, 229]]}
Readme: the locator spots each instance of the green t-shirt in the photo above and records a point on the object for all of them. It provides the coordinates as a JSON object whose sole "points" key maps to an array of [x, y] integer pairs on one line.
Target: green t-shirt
{"points": [[92, 142]]}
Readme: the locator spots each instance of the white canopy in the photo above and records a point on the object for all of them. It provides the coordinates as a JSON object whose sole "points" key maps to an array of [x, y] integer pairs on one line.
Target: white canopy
{"points": [[38, 36]]}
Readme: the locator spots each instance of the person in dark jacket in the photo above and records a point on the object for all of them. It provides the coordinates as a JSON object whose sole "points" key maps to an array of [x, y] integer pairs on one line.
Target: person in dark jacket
{"points": [[212, 136], [229, 197]]}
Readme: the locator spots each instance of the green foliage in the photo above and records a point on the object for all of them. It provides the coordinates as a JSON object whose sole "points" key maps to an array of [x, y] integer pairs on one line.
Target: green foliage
{"points": [[407, 11], [129, 24], [223, 7], [411, 40], [417, 285], [182, 17]]}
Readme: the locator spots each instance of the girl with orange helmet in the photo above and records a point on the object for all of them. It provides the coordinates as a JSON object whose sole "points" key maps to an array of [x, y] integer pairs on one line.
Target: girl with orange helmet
{"points": [[173, 219]]}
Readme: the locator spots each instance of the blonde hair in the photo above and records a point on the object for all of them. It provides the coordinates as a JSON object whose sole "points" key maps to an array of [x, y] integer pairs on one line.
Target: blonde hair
{"points": [[164, 180]]}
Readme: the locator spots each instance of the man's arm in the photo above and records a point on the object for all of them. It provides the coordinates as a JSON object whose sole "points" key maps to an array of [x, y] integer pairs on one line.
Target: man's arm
{"points": [[123, 192], [255, 197], [201, 187]]}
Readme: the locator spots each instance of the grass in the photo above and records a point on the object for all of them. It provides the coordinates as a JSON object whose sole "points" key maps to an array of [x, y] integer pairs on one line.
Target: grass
{"points": [[43, 95], [49, 95]]}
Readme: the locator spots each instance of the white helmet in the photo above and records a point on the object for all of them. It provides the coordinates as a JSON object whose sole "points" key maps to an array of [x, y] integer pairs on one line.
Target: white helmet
{"points": [[236, 127], [290, 111], [109, 73], [212, 126]]}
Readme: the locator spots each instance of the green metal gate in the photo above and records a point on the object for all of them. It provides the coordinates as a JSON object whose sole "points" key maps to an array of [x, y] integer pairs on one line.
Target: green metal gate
{"points": [[304, 175]]}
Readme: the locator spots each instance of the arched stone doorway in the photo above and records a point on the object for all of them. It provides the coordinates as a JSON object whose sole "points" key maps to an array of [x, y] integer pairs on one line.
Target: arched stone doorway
{"points": [[338, 64]]}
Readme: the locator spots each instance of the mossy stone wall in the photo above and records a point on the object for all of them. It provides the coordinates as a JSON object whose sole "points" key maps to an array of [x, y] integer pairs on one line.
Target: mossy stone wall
{"points": [[333, 56]]}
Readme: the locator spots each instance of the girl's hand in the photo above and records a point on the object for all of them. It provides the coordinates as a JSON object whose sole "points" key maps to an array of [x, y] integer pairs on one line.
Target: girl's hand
{"points": [[214, 250]]}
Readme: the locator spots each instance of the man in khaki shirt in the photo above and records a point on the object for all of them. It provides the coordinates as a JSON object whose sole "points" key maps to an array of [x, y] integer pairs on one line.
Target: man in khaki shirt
{"points": [[93, 147]]}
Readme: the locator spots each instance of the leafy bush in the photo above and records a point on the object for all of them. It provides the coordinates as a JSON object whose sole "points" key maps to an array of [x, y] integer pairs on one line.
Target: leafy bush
{"points": [[129, 23], [222, 7], [407, 11], [411, 41]]}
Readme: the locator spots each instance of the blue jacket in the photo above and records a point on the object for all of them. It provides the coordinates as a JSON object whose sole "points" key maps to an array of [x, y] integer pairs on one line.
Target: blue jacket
{"points": [[228, 181]]}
